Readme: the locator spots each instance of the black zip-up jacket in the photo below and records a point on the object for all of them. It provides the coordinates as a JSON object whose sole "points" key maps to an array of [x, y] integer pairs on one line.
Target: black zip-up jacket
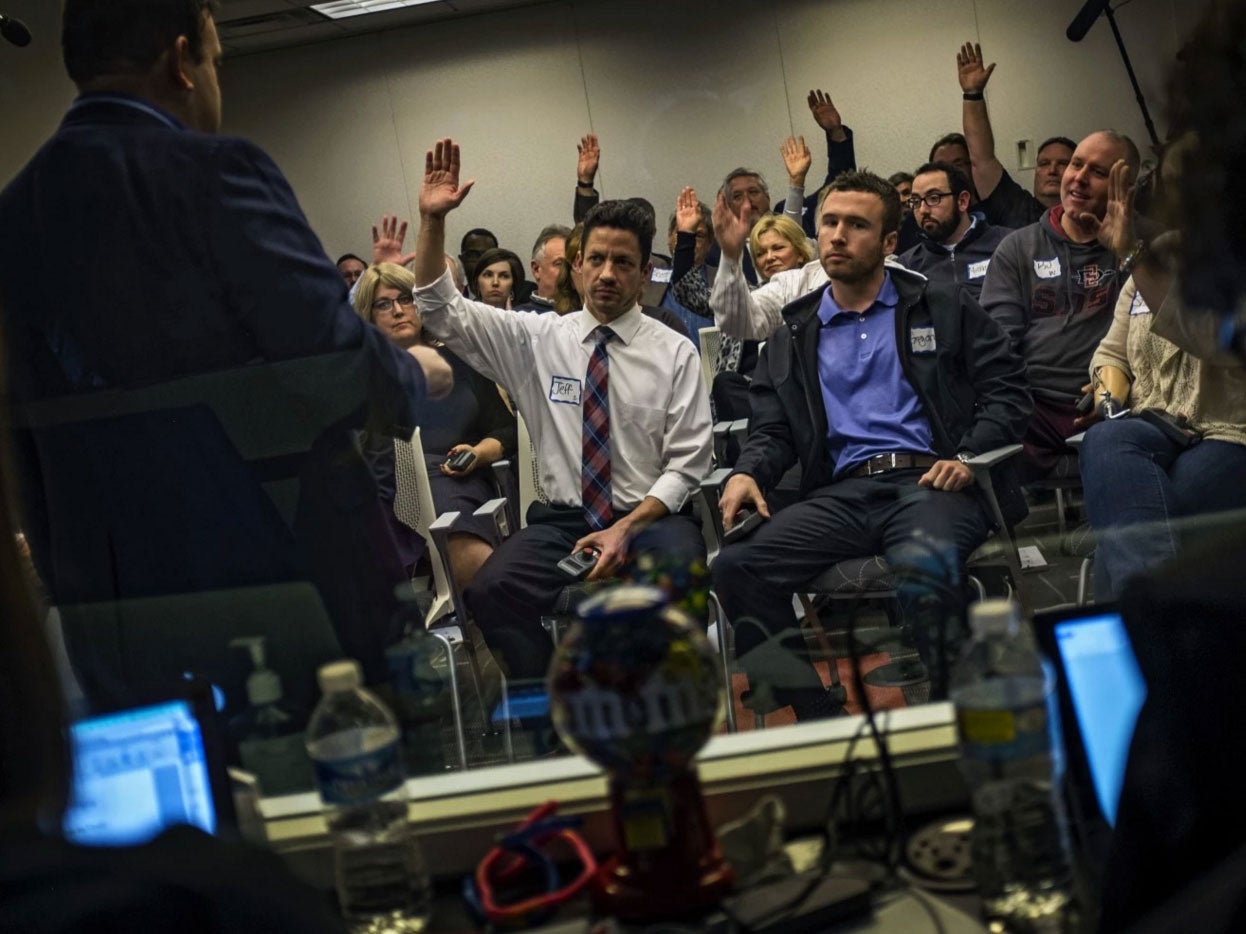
{"points": [[971, 385], [963, 264]]}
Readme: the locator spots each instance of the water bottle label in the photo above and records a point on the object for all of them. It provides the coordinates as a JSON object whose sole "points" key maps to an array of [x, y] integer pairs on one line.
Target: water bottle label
{"points": [[359, 779], [1004, 734]]}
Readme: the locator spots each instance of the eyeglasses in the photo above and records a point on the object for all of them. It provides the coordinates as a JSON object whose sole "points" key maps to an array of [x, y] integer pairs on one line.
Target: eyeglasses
{"points": [[932, 199], [385, 306]]}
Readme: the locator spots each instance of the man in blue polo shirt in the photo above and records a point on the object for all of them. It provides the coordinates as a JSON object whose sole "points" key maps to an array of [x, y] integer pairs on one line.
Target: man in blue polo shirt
{"points": [[881, 388]]}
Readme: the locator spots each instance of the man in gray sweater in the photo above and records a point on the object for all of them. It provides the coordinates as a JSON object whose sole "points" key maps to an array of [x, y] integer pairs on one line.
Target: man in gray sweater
{"points": [[1052, 287]]}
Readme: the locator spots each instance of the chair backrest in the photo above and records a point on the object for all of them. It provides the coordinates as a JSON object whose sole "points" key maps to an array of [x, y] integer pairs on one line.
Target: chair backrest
{"points": [[414, 507], [530, 489], [710, 340]]}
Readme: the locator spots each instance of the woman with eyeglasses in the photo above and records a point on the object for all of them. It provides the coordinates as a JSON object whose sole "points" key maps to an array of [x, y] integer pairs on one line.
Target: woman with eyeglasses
{"points": [[473, 420]]}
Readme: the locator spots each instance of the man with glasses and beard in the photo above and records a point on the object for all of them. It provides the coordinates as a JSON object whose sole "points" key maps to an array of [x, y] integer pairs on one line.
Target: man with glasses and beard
{"points": [[956, 244]]}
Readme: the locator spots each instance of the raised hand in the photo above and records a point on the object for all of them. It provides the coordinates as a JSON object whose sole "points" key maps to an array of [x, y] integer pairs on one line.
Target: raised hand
{"points": [[440, 191], [824, 111], [797, 158], [1116, 230], [387, 245], [590, 156], [687, 212], [730, 229], [970, 71]]}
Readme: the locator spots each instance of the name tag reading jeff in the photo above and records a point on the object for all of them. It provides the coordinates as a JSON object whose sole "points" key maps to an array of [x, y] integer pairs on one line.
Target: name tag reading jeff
{"points": [[922, 340], [564, 389], [660, 275]]}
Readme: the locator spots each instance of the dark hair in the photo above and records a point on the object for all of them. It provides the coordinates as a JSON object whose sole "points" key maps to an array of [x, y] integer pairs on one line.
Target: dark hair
{"points": [[113, 37], [1051, 140], [956, 179], [866, 181], [345, 256], [477, 232], [547, 234], [645, 205], [948, 139], [623, 215], [897, 177], [489, 257]]}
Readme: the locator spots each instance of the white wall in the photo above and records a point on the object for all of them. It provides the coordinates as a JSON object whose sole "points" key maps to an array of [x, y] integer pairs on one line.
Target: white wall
{"points": [[679, 93]]}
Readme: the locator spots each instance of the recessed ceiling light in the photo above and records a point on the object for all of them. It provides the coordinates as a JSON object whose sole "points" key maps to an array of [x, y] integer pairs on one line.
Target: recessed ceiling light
{"points": [[340, 9]]}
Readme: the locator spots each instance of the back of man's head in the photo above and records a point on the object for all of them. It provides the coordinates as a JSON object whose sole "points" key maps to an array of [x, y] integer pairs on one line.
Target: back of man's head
{"points": [[623, 215], [104, 38], [866, 181], [478, 233], [948, 139]]}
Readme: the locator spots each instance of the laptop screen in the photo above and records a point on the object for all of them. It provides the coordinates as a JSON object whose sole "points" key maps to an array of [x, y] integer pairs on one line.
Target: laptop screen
{"points": [[136, 773], [1106, 689]]}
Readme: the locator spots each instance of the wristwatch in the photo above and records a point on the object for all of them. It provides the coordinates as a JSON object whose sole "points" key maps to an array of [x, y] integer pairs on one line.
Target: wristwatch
{"points": [[964, 456], [1134, 257]]}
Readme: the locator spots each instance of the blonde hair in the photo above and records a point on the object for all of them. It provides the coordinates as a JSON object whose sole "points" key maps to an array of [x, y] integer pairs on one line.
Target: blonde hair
{"points": [[382, 274], [786, 228]]}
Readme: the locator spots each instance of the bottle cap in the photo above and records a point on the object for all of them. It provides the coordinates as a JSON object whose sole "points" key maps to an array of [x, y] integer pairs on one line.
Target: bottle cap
{"points": [[342, 675], [993, 617]]}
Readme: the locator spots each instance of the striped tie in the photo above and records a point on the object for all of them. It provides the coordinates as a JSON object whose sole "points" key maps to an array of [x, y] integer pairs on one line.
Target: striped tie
{"points": [[595, 469]]}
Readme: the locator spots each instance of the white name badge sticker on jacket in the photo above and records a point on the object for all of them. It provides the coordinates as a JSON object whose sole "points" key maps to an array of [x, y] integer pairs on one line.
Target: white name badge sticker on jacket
{"points": [[564, 389], [922, 340], [660, 275], [977, 270], [1047, 268]]}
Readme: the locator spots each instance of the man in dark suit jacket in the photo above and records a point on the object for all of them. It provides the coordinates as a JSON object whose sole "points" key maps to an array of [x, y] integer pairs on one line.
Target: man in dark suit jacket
{"points": [[140, 248]]}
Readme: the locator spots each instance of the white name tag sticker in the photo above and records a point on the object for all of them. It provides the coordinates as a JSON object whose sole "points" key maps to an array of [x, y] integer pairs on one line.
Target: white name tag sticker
{"points": [[660, 275], [922, 340], [564, 389], [977, 270], [1047, 268]]}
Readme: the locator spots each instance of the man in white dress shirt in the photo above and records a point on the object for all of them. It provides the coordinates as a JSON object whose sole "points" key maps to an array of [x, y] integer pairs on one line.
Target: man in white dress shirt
{"points": [[651, 407]]}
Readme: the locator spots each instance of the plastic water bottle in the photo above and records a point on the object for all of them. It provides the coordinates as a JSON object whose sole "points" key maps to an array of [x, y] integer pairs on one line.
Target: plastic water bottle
{"points": [[382, 880], [1013, 761]]}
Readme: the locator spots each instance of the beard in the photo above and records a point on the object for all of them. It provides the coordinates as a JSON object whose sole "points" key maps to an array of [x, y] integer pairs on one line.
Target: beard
{"points": [[940, 231]]}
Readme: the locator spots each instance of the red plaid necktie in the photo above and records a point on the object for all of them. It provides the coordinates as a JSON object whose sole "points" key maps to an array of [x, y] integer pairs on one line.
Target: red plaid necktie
{"points": [[595, 469]]}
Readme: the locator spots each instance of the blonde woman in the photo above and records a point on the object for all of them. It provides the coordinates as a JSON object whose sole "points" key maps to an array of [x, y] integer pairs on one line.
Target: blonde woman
{"points": [[472, 419]]}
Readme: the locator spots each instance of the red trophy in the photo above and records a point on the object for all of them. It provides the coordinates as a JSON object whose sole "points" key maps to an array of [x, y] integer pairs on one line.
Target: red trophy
{"points": [[634, 687]]}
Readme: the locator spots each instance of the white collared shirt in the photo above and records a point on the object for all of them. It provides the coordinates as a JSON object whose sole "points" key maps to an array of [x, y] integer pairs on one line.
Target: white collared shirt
{"points": [[660, 440], [754, 315]]}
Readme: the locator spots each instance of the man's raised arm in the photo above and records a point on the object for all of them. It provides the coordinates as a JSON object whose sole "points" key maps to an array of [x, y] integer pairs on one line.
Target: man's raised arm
{"points": [[979, 137], [440, 193]]}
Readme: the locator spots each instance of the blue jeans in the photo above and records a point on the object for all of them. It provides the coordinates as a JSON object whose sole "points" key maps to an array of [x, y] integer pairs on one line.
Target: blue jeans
{"points": [[1137, 483]]}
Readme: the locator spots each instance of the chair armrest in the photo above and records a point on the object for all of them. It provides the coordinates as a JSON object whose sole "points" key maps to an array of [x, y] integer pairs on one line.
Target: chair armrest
{"points": [[992, 457], [495, 509], [1075, 441], [739, 430], [439, 532], [711, 516], [720, 432], [505, 482]]}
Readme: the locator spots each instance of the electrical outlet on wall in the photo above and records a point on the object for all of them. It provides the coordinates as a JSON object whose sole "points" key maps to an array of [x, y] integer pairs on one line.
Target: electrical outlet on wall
{"points": [[1026, 157]]}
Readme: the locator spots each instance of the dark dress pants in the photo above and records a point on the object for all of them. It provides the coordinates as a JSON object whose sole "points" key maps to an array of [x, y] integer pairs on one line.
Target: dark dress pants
{"points": [[521, 582], [925, 534]]}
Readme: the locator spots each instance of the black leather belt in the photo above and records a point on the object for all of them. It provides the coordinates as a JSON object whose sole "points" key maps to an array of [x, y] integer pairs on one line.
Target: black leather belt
{"points": [[883, 463]]}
